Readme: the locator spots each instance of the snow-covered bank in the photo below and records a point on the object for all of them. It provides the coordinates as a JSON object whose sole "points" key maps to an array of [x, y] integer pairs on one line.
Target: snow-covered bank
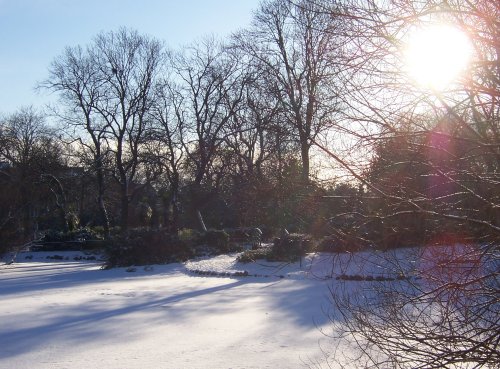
{"points": [[322, 266], [312, 266], [71, 314]]}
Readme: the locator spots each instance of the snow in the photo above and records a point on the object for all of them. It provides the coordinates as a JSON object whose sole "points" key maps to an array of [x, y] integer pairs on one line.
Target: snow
{"points": [[72, 314], [312, 266], [62, 310]]}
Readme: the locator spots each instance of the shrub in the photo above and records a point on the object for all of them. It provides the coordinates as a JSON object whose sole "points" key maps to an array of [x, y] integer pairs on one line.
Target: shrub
{"points": [[216, 239], [291, 247], [113, 231], [52, 235], [82, 234], [336, 244], [147, 247], [83, 238], [244, 235], [252, 255], [10, 236], [190, 236], [269, 233], [237, 234]]}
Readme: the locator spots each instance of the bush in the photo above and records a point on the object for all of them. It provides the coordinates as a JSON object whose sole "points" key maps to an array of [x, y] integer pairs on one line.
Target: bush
{"points": [[291, 247], [190, 236], [252, 255], [113, 231], [82, 234], [147, 247], [10, 237], [217, 240], [79, 239], [288, 248], [238, 234], [244, 236], [336, 244], [269, 233]]}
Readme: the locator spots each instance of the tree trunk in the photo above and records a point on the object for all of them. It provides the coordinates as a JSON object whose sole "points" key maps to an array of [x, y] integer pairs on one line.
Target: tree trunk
{"points": [[124, 209], [200, 219], [175, 218], [304, 152], [57, 189], [174, 227], [100, 201]]}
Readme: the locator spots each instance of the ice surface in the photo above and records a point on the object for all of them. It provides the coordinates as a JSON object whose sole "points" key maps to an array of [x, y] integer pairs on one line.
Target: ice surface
{"points": [[67, 312], [71, 314]]}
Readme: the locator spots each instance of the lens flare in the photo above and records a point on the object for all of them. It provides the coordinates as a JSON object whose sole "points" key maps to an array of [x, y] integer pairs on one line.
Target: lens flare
{"points": [[436, 55]]}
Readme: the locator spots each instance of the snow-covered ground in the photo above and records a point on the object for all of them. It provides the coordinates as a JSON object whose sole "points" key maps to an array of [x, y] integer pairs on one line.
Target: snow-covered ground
{"points": [[72, 314], [313, 266], [62, 310]]}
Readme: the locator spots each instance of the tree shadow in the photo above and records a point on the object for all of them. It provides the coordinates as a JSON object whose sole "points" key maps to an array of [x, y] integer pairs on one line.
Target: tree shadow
{"points": [[84, 323], [102, 318], [60, 275]]}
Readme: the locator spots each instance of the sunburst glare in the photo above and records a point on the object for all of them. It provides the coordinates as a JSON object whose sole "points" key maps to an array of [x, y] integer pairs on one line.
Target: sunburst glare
{"points": [[436, 55]]}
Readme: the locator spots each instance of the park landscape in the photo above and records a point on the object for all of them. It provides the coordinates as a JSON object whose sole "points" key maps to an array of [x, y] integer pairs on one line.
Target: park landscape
{"points": [[320, 188]]}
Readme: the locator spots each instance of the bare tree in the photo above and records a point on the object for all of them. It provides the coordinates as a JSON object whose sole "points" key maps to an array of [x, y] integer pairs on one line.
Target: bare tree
{"points": [[167, 133], [436, 159], [295, 44], [28, 149], [256, 134], [128, 64], [74, 75], [259, 149], [210, 87], [111, 84]]}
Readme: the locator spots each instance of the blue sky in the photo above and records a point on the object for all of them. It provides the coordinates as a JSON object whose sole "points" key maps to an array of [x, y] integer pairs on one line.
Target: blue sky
{"points": [[34, 32]]}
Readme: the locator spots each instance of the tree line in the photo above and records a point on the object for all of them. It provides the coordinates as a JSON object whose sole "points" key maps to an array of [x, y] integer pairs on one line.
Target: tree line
{"points": [[218, 120], [233, 130]]}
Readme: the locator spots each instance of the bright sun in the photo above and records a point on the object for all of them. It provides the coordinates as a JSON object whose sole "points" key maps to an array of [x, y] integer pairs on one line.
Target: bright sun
{"points": [[436, 55]]}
